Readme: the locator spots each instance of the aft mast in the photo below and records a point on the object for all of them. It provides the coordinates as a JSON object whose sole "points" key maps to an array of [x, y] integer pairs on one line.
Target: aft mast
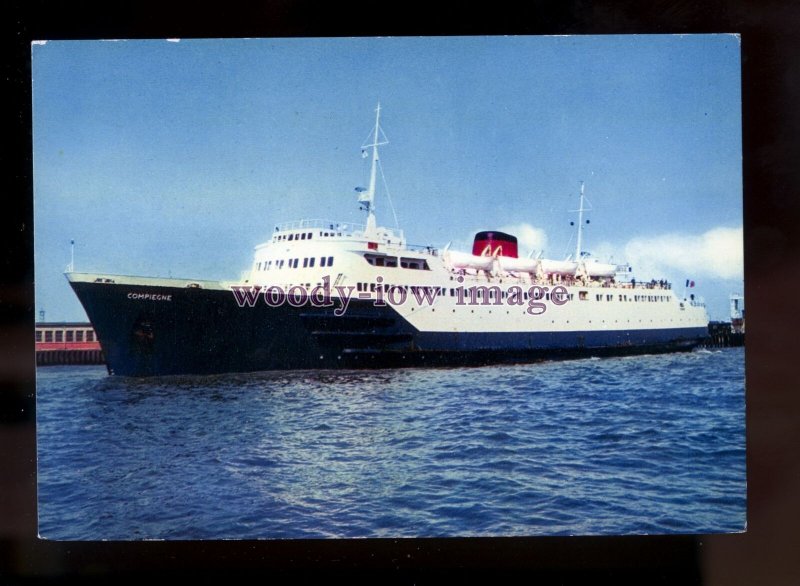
{"points": [[580, 211], [367, 198]]}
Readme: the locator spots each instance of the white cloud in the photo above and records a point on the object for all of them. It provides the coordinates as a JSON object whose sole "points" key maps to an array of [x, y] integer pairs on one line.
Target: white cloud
{"points": [[529, 237], [604, 252], [717, 253]]}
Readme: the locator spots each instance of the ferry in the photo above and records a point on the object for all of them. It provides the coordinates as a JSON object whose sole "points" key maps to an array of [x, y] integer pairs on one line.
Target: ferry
{"points": [[324, 294]]}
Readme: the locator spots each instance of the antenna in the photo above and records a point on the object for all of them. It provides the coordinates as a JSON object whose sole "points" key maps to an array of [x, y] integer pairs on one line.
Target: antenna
{"points": [[71, 265]]}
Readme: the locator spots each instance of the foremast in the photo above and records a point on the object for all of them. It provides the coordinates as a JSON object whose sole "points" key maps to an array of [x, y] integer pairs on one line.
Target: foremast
{"points": [[367, 198]]}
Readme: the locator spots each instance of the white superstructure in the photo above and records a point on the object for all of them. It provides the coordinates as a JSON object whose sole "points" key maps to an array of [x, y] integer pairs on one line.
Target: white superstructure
{"points": [[453, 291]]}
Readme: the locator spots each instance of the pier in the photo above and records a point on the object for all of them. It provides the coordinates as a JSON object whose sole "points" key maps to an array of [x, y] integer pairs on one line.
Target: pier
{"points": [[67, 343], [723, 335]]}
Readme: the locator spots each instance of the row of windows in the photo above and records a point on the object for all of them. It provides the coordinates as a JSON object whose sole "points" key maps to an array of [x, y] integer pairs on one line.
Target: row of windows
{"points": [[293, 263], [491, 293], [59, 336], [304, 236], [378, 260], [623, 297], [372, 287]]}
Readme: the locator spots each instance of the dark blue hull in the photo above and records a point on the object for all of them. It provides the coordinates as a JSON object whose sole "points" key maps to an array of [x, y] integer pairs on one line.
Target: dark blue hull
{"points": [[200, 331]]}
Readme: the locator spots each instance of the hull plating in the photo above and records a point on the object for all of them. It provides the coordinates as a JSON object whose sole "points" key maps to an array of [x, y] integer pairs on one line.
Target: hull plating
{"points": [[200, 331]]}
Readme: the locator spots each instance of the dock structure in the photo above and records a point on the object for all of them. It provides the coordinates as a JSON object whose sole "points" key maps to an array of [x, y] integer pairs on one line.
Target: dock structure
{"points": [[67, 343], [723, 335]]}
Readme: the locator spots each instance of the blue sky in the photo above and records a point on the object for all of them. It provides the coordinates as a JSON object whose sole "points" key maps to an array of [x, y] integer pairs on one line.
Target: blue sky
{"points": [[176, 158]]}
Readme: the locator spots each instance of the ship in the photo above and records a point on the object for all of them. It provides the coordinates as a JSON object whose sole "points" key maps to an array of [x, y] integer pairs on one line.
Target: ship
{"points": [[324, 294]]}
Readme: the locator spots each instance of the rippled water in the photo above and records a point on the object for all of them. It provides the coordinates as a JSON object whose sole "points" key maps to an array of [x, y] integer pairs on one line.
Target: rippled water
{"points": [[642, 445]]}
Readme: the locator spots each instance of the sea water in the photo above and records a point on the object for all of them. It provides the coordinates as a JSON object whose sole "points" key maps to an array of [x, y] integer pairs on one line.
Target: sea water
{"points": [[637, 445]]}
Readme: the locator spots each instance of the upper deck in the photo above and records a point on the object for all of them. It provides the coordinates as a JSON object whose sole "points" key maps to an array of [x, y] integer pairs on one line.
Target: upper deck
{"points": [[334, 231]]}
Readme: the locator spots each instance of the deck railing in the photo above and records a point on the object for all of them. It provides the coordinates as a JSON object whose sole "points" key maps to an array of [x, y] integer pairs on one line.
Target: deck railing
{"points": [[348, 228]]}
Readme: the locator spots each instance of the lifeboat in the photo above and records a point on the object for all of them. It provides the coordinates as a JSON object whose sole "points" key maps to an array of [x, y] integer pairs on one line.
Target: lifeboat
{"points": [[518, 265], [595, 268], [559, 267], [464, 260]]}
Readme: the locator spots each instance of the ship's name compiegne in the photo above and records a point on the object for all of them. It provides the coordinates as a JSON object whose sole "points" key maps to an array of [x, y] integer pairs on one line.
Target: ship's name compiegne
{"points": [[149, 296]]}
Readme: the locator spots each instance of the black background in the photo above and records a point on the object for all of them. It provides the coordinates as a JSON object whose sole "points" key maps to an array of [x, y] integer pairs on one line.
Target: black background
{"points": [[768, 553]]}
